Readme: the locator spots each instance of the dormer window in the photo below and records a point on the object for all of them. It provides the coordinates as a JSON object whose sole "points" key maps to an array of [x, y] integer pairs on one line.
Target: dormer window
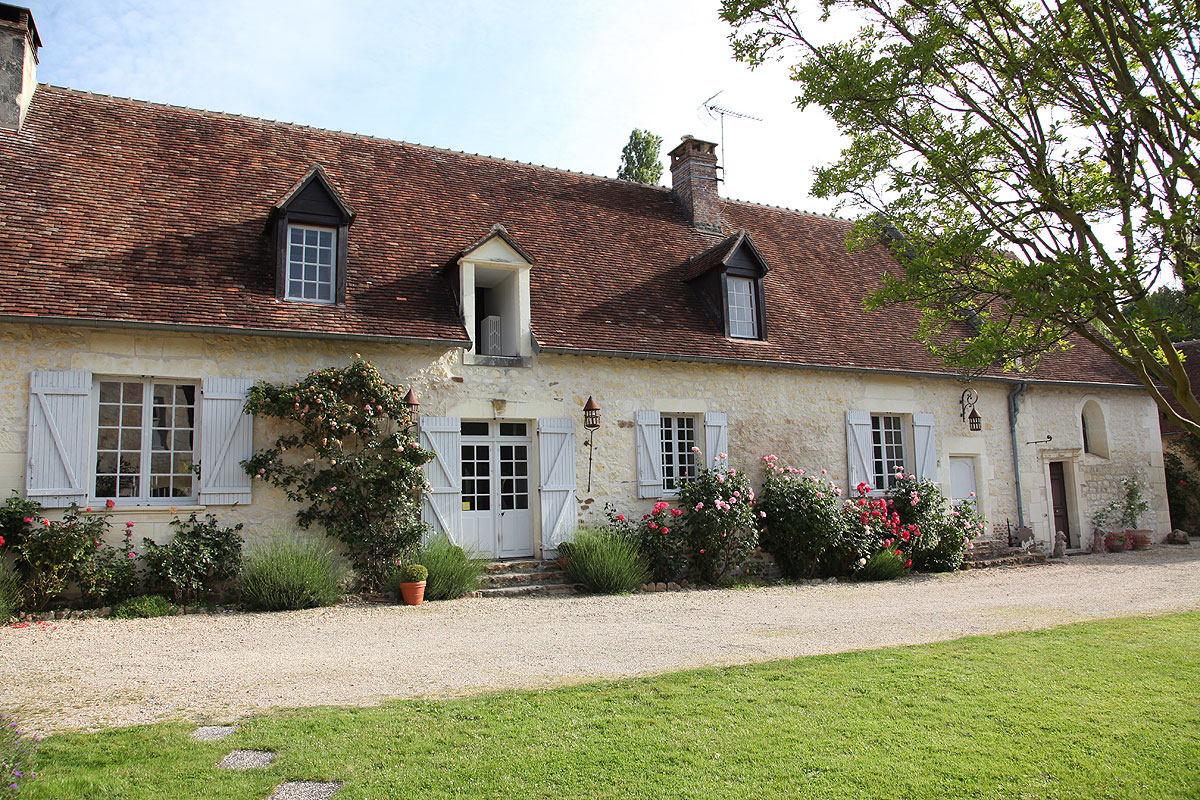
{"points": [[743, 314], [311, 261], [729, 277], [494, 293], [310, 225]]}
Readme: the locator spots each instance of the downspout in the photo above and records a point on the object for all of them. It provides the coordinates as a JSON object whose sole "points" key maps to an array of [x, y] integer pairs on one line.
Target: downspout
{"points": [[1014, 408]]}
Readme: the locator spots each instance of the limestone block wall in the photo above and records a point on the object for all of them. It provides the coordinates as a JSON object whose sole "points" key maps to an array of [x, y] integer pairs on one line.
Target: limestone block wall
{"points": [[796, 414]]}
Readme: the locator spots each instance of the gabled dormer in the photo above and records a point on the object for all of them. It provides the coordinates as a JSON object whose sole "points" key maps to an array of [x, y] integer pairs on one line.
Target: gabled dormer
{"points": [[729, 276], [494, 295], [309, 227]]}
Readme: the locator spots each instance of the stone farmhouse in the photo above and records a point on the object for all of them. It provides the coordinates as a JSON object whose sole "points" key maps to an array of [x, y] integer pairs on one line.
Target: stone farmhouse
{"points": [[156, 261]]}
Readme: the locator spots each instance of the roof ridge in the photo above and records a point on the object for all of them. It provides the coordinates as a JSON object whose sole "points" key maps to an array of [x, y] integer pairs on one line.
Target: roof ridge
{"points": [[785, 208], [352, 134]]}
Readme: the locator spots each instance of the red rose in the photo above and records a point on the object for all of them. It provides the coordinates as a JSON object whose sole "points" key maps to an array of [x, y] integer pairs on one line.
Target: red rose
{"points": [[908, 563], [109, 504]]}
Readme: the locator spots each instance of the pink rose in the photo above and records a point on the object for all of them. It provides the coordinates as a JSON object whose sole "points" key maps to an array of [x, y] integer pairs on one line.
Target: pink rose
{"points": [[621, 517]]}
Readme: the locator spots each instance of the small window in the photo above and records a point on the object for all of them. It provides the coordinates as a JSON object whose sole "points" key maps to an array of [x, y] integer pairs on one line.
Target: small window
{"points": [[678, 458], [743, 313], [1095, 434], [145, 441], [887, 449], [312, 253], [475, 428]]}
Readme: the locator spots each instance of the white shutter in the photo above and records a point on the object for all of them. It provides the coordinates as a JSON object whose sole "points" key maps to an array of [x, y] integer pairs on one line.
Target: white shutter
{"points": [[556, 457], [858, 448], [924, 447], [648, 430], [59, 438], [226, 440], [716, 436], [492, 343], [442, 507]]}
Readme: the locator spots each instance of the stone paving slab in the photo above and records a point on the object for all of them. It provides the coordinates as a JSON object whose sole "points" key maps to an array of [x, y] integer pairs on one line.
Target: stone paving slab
{"points": [[306, 790], [209, 733], [247, 759]]}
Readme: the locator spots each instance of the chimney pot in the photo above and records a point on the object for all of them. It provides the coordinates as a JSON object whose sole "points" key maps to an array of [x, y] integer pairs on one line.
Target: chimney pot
{"points": [[19, 43], [694, 182]]}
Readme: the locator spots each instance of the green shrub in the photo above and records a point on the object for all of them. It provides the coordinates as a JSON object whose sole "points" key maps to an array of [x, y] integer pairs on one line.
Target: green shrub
{"points": [[18, 757], [289, 573], [605, 562], [1183, 492], [52, 552], [883, 565], [718, 519], [199, 558], [111, 574], [150, 605], [659, 536], [17, 516], [803, 524], [10, 592], [452, 571], [412, 573]]}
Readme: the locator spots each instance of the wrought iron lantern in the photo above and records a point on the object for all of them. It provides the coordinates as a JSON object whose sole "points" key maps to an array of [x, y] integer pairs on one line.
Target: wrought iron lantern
{"points": [[412, 406], [969, 414], [591, 421]]}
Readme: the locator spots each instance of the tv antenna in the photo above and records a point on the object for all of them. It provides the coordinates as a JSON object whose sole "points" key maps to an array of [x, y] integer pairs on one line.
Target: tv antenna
{"points": [[720, 112]]}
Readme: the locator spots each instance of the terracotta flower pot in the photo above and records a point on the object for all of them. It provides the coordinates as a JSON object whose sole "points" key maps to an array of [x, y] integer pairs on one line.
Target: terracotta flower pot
{"points": [[1141, 540], [413, 593], [562, 562]]}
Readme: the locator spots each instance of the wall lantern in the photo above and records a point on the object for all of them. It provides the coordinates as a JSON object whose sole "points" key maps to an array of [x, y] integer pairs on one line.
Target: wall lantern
{"points": [[591, 421], [969, 414], [412, 407]]}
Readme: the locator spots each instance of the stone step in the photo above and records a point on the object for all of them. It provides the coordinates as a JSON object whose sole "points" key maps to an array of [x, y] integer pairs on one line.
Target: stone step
{"points": [[1015, 560], [521, 566], [497, 580], [525, 591]]}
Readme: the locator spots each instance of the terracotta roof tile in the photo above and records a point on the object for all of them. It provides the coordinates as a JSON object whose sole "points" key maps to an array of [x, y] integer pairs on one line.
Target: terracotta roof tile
{"points": [[143, 213]]}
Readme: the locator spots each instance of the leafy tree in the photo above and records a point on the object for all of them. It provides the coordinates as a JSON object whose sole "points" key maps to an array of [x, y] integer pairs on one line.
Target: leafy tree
{"points": [[350, 458], [639, 158], [1181, 318], [1032, 165]]}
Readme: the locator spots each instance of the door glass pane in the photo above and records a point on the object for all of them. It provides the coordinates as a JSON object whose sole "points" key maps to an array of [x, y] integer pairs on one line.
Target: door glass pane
{"points": [[513, 429], [474, 428], [477, 490], [514, 492]]}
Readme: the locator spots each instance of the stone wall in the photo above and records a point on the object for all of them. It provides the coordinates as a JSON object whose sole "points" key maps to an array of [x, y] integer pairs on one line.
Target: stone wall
{"points": [[797, 414]]}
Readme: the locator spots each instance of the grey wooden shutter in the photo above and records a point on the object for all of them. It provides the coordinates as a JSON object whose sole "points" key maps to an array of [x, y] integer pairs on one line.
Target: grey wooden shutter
{"points": [[648, 430], [716, 436], [924, 447], [556, 458], [858, 448], [226, 440], [442, 507], [59, 440]]}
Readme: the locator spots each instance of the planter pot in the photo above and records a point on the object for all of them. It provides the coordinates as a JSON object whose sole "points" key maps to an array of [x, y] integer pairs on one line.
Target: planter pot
{"points": [[413, 593], [562, 562], [1141, 540], [1116, 547]]}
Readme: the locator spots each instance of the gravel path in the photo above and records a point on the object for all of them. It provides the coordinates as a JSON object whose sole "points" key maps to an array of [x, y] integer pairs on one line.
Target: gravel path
{"points": [[96, 673]]}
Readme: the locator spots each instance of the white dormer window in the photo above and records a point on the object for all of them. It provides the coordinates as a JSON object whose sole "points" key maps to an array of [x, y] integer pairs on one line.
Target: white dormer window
{"points": [[312, 255], [494, 281], [743, 316]]}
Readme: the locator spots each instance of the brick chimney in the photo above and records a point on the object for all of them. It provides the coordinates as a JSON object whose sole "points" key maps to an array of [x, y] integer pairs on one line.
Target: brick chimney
{"points": [[694, 182], [19, 43]]}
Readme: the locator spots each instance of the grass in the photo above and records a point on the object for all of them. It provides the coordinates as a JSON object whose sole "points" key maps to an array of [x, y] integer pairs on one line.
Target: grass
{"points": [[1094, 710]]}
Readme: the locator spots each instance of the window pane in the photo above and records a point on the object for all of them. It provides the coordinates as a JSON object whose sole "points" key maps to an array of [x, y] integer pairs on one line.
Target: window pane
{"points": [[310, 236], [185, 395], [131, 439], [110, 392], [323, 292], [181, 486], [106, 439], [106, 463], [127, 487], [131, 393], [297, 235], [743, 320], [295, 289], [106, 486], [513, 429], [474, 429], [131, 415], [326, 239]]}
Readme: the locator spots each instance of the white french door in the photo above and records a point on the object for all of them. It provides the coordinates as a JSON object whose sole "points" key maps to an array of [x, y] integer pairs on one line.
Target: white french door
{"points": [[497, 515]]}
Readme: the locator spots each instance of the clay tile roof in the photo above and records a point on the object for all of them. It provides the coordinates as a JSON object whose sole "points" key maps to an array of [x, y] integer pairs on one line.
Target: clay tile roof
{"points": [[136, 213]]}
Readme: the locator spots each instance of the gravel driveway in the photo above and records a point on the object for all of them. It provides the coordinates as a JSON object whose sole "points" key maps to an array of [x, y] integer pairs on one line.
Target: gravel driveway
{"points": [[96, 673]]}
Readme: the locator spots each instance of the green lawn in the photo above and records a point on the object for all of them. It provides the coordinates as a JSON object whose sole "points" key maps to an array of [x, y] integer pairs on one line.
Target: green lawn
{"points": [[1098, 710]]}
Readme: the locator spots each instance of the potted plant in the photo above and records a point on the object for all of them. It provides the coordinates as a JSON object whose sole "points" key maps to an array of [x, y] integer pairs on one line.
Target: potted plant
{"points": [[1122, 515], [563, 553], [412, 584], [1118, 541]]}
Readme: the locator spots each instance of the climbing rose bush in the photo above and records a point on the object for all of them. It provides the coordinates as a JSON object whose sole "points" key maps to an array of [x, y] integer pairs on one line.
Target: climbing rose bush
{"points": [[349, 458], [718, 516], [802, 523]]}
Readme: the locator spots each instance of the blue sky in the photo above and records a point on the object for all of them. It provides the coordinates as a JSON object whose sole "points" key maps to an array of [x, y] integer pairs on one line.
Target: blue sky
{"points": [[554, 83]]}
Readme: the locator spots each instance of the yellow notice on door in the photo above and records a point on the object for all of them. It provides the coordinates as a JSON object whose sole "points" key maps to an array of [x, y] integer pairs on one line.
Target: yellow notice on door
{"points": [[466, 505]]}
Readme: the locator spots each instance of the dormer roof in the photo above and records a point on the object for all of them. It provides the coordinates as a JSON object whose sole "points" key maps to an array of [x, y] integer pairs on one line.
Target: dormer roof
{"points": [[734, 250]]}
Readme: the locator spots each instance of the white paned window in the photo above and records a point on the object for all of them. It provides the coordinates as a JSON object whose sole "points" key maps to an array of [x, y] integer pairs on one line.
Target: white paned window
{"points": [[678, 458], [311, 256], [743, 317], [145, 441], [887, 449]]}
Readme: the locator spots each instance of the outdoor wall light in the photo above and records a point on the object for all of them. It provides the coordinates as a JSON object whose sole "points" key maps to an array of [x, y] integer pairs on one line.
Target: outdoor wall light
{"points": [[591, 421], [969, 414], [411, 407]]}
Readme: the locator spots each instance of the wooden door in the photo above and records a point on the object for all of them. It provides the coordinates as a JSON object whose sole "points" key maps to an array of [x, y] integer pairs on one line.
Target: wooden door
{"points": [[1058, 497]]}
